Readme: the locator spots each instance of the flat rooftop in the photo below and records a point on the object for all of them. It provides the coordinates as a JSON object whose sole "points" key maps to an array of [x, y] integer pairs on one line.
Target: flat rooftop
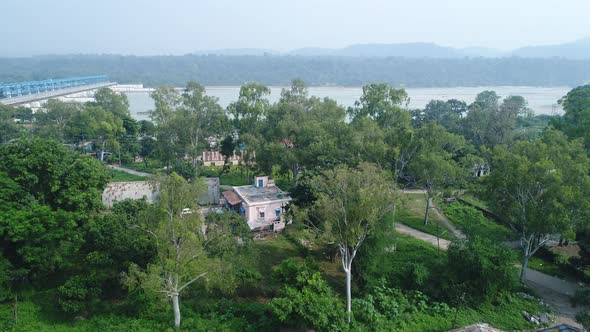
{"points": [[253, 195]]}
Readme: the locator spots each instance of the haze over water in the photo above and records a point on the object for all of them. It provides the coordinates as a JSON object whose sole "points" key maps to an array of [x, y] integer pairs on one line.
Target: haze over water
{"points": [[541, 100]]}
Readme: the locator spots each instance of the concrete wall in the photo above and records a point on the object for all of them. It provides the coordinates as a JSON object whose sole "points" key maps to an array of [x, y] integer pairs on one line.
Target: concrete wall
{"points": [[118, 191]]}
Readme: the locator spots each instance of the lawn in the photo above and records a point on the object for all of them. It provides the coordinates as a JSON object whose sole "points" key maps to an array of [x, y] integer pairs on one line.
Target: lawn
{"points": [[472, 221], [118, 176], [152, 166], [474, 200], [412, 214]]}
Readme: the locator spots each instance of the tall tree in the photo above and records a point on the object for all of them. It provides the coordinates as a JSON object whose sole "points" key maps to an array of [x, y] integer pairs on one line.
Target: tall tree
{"points": [[250, 108], [436, 163], [200, 117], [541, 188], [351, 203], [181, 258], [575, 122]]}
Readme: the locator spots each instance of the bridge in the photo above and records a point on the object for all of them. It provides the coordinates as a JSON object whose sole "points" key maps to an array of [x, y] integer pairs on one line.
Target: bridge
{"points": [[27, 92]]}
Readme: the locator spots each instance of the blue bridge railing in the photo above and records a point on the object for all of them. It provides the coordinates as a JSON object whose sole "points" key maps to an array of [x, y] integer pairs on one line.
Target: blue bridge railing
{"points": [[9, 90]]}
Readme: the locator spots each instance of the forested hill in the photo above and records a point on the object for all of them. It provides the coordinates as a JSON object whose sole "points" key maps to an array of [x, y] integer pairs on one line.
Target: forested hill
{"points": [[326, 70]]}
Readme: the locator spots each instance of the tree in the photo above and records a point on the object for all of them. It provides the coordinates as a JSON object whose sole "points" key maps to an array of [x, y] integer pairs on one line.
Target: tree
{"points": [[446, 113], [488, 123], [200, 117], [57, 121], [228, 149], [8, 127], [435, 165], [299, 133], [50, 174], [250, 108], [306, 298], [575, 122], [541, 188], [181, 258], [351, 203]]}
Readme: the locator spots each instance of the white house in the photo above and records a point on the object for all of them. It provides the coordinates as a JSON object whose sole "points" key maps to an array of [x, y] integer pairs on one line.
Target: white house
{"points": [[262, 204]]}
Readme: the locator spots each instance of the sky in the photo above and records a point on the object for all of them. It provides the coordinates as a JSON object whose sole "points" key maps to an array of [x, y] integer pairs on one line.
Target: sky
{"points": [[149, 27]]}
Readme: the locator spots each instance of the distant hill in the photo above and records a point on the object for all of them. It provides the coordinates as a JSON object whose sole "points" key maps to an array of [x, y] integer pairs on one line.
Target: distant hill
{"points": [[579, 49], [237, 51]]}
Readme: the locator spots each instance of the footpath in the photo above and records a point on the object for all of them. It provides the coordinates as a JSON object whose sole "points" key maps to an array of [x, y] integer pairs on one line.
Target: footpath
{"points": [[551, 290]]}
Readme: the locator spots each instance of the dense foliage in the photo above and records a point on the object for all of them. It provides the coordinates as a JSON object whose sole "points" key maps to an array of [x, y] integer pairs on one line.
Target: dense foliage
{"points": [[279, 70], [341, 265]]}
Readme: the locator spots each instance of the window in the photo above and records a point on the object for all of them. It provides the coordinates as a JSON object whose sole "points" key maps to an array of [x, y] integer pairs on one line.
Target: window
{"points": [[277, 212], [261, 214]]}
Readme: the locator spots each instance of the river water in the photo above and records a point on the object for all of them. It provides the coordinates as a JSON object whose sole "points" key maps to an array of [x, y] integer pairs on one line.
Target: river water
{"points": [[541, 100]]}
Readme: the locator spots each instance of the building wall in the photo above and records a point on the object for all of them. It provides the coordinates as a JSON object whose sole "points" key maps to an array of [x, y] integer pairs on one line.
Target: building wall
{"points": [[118, 191], [252, 212]]}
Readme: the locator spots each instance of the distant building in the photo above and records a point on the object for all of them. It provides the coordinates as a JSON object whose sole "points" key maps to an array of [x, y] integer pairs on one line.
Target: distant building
{"points": [[480, 169], [262, 204], [215, 158]]}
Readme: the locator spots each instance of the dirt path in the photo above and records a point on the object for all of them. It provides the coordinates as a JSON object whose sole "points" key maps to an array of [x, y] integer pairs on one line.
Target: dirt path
{"points": [[551, 290], [458, 234]]}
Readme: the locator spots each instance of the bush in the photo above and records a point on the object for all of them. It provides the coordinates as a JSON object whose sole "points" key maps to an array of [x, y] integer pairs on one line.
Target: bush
{"points": [[582, 297], [77, 295], [307, 300], [584, 319], [481, 269]]}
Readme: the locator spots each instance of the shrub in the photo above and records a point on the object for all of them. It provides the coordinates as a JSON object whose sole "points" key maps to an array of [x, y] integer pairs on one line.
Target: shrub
{"points": [[584, 319], [481, 268], [582, 297]]}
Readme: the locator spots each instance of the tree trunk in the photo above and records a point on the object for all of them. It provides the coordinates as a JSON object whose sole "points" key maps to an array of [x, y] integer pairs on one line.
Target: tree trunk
{"points": [[15, 310], [295, 169], [525, 264], [176, 307], [428, 203], [102, 151], [348, 295]]}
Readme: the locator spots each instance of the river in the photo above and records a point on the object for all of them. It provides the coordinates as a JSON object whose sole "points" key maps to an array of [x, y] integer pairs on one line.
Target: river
{"points": [[541, 100]]}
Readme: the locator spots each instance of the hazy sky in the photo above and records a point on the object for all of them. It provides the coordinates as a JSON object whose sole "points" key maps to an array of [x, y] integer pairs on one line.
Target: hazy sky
{"points": [[181, 26]]}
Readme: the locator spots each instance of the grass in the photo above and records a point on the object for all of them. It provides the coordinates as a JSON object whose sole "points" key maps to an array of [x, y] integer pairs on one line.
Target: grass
{"points": [[505, 314], [152, 166], [471, 221], [434, 227], [118, 176], [413, 216], [474, 200]]}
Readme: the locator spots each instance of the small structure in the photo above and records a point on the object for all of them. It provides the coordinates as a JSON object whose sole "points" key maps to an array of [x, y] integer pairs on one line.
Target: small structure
{"points": [[262, 204], [118, 191], [212, 197], [480, 169], [215, 158]]}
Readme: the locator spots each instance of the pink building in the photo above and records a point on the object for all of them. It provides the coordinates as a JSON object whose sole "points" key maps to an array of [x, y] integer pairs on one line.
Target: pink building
{"points": [[215, 158], [261, 204]]}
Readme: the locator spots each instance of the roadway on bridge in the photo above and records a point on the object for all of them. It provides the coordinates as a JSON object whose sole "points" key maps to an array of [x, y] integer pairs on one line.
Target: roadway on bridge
{"points": [[53, 94]]}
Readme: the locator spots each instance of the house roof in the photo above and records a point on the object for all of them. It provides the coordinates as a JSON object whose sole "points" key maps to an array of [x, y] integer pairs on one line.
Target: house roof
{"points": [[231, 197], [252, 195]]}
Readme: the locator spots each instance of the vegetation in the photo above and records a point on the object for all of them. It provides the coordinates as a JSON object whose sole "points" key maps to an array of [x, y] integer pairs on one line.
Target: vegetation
{"points": [[69, 264], [155, 71], [119, 176]]}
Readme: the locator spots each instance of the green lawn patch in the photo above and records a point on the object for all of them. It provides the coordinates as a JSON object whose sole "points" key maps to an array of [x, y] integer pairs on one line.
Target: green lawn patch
{"points": [[472, 221], [434, 227], [505, 314], [119, 176], [152, 166]]}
